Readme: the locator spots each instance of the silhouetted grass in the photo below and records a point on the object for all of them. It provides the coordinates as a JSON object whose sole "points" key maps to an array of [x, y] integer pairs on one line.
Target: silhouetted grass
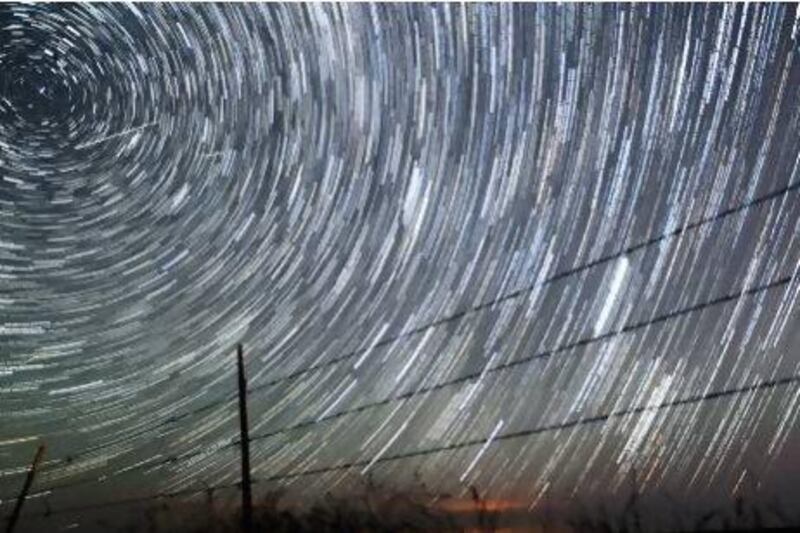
{"points": [[378, 509]]}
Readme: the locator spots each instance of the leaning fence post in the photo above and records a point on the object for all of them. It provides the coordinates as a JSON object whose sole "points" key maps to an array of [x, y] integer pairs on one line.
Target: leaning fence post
{"points": [[244, 440], [25, 488]]}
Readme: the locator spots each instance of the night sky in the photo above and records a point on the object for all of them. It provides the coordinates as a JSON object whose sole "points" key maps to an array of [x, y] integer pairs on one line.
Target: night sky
{"points": [[544, 250]]}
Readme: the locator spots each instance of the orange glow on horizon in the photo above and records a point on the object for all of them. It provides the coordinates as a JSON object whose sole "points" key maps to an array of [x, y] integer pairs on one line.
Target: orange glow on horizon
{"points": [[465, 505]]}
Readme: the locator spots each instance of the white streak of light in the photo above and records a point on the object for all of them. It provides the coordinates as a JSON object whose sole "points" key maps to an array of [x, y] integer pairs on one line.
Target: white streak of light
{"points": [[482, 450], [612, 299], [385, 447]]}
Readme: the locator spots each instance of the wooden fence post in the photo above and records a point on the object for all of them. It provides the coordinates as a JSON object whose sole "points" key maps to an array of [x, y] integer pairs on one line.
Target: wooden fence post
{"points": [[244, 439], [25, 488]]}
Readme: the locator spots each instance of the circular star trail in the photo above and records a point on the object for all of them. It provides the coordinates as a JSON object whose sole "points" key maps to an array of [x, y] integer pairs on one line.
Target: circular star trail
{"points": [[536, 249]]}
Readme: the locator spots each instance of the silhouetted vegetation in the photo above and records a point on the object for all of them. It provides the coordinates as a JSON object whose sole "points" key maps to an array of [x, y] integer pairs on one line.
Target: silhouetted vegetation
{"points": [[374, 510]]}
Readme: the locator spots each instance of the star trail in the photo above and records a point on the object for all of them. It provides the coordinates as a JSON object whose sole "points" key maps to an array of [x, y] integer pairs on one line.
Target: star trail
{"points": [[536, 249]]}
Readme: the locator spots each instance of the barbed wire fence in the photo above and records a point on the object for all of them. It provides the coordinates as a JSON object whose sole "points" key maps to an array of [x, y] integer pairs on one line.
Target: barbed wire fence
{"points": [[231, 399]]}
